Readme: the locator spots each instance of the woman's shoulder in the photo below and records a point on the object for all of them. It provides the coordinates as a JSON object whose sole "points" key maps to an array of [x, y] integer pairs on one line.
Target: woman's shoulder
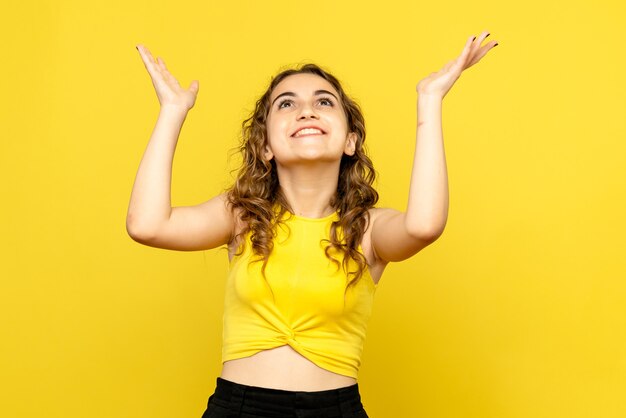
{"points": [[373, 215], [375, 265], [239, 226], [377, 214]]}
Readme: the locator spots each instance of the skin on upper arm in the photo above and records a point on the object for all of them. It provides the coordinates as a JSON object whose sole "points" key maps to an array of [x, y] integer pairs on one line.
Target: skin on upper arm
{"points": [[192, 228], [390, 239]]}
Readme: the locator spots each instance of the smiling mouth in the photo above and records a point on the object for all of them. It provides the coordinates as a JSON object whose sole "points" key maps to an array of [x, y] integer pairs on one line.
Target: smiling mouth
{"points": [[307, 132]]}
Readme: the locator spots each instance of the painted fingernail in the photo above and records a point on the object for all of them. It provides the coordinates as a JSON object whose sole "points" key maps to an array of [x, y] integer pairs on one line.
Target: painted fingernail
{"points": [[474, 38], [487, 35], [496, 45]]}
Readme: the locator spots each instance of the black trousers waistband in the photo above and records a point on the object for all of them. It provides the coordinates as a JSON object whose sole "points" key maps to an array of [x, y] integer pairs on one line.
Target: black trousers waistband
{"points": [[238, 398], [302, 399]]}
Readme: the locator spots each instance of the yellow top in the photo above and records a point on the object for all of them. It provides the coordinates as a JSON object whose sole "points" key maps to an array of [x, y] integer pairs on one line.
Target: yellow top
{"points": [[307, 308]]}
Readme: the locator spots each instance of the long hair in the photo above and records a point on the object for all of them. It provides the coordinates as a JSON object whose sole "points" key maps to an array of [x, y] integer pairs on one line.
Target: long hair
{"points": [[257, 195]]}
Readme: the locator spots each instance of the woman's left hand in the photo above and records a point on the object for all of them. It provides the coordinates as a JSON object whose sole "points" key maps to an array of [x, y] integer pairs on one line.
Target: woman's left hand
{"points": [[438, 84]]}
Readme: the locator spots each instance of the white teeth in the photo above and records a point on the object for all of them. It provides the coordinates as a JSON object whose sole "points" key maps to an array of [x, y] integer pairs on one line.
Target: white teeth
{"points": [[307, 131]]}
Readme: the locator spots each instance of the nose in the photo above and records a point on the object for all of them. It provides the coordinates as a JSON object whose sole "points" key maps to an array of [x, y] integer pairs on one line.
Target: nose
{"points": [[307, 111]]}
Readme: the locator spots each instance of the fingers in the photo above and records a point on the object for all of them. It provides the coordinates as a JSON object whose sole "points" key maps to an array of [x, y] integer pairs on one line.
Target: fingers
{"points": [[465, 54], [477, 51], [482, 37], [162, 63], [194, 86], [480, 53], [156, 68], [150, 62], [468, 46], [146, 56], [460, 63], [153, 67]]}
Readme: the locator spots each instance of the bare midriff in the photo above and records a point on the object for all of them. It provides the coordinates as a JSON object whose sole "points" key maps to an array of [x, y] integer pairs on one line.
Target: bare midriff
{"points": [[283, 368]]}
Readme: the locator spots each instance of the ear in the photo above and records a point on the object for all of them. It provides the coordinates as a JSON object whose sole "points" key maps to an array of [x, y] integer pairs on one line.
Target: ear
{"points": [[268, 154], [350, 147]]}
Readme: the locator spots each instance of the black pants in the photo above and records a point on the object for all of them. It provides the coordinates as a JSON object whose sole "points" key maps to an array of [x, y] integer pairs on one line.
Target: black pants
{"points": [[234, 400]]}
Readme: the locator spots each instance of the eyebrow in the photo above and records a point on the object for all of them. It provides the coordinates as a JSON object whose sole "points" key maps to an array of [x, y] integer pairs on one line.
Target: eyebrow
{"points": [[317, 93]]}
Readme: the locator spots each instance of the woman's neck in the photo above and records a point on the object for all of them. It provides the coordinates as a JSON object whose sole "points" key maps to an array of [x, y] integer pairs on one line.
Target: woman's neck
{"points": [[309, 191]]}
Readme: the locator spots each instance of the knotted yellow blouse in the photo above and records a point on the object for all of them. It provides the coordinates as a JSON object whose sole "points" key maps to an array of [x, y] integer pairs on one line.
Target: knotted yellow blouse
{"points": [[302, 302]]}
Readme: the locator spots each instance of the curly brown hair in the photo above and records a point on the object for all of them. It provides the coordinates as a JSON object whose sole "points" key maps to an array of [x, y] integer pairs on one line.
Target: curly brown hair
{"points": [[257, 194]]}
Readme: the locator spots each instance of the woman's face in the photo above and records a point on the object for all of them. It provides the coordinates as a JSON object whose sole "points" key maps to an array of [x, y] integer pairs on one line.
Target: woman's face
{"points": [[306, 122]]}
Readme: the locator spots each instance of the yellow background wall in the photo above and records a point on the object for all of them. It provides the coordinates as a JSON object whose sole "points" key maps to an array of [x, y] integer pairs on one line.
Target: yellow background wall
{"points": [[517, 311]]}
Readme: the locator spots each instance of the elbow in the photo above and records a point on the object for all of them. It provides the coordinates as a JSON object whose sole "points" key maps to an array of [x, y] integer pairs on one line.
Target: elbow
{"points": [[138, 233], [429, 233], [427, 236]]}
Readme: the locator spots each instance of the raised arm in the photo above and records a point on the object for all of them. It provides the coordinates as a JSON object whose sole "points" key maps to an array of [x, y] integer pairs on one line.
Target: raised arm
{"points": [[151, 220], [397, 235]]}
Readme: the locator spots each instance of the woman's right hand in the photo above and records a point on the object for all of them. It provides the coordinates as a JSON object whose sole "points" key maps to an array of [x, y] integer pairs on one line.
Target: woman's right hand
{"points": [[168, 89]]}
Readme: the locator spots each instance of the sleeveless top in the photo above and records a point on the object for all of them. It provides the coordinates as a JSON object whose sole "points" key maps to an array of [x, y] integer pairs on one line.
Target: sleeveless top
{"points": [[301, 303]]}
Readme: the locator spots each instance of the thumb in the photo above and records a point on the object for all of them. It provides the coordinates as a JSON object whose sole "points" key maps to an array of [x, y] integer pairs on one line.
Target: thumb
{"points": [[194, 86]]}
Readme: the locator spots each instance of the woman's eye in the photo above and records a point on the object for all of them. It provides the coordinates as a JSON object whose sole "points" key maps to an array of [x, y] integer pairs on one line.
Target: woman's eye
{"points": [[289, 103], [283, 103]]}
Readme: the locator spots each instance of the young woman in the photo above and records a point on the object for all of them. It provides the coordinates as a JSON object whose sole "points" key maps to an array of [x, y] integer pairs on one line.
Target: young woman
{"points": [[307, 247]]}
